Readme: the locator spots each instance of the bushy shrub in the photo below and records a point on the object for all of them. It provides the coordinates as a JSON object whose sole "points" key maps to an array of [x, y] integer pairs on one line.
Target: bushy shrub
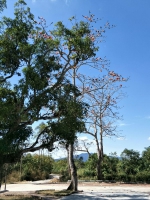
{"points": [[143, 176], [122, 177], [14, 176], [31, 168], [65, 176], [88, 173], [61, 167], [109, 177]]}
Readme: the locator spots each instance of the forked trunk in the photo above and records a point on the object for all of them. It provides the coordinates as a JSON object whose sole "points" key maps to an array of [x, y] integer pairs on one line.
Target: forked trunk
{"points": [[74, 181]]}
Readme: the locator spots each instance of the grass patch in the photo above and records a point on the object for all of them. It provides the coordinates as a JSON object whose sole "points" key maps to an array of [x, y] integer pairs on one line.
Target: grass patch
{"points": [[51, 193], [17, 197], [55, 192]]}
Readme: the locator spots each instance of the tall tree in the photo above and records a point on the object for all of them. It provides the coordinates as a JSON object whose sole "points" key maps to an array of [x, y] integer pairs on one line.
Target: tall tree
{"points": [[33, 87], [79, 49], [35, 64]]}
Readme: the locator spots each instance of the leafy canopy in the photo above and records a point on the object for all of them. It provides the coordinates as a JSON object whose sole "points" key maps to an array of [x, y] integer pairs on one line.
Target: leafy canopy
{"points": [[34, 82]]}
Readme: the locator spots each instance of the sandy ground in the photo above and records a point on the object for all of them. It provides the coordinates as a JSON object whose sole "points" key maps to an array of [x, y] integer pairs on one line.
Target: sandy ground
{"points": [[94, 191]]}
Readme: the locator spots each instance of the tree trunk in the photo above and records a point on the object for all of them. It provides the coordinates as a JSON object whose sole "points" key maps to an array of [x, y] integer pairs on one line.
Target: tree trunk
{"points": [[74, 181], [20, 168], [0, 180], [100, 156], [67, 148], [5, 179], [0, 177], [73, 170], [99, 165]]}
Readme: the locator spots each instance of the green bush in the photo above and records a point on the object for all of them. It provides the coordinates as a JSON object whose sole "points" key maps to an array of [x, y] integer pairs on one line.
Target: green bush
{"points": [[109, 177], [143, 176], [89, 173], [122, 177], [65, 176], [31, 168], [14, 176], [61, 167]]}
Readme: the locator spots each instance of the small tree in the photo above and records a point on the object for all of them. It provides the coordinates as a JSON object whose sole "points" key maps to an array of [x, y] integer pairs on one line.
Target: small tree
{"points": [[103, 96], [130, 163], [146, 159], [110, 166]]}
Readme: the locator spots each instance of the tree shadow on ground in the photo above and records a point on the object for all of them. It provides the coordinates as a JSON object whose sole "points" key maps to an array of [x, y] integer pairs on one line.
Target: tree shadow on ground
{"points": [[101, 196]]}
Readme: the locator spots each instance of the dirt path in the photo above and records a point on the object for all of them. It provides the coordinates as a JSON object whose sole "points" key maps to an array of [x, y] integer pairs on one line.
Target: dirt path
{"points": [[90, 190]]}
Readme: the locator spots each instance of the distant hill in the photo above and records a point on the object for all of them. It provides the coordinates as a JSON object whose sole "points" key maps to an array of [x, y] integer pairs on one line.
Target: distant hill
{"points": [[85, 157]]}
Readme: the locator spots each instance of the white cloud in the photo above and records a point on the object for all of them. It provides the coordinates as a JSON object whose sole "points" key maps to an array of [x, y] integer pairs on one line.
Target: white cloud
{"points": [[121, 138], [123, 124], [149, 138], [83, 138], [143, 117], [86, 139]]}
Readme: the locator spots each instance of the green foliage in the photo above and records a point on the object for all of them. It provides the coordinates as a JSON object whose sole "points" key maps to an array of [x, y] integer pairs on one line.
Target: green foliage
{"points": [[33, 77], [109, 167], [31, 168], [35, 64], [79, 162], [146, 159], [131, 167], [35, 167], [77, 39], [86, 174], [130, 161], [61, 167], [92, 162], [2, 5]]}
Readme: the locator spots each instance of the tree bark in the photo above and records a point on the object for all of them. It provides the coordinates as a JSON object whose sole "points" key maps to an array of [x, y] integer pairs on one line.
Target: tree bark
{"points": [[73, 170], [99, 166], [100, 155], [5, 178], [67, 148], [74, 180], [0, 177]]}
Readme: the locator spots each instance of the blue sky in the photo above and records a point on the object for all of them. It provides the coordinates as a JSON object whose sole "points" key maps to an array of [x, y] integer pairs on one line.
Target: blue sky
{"points": [[127, 46]]}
